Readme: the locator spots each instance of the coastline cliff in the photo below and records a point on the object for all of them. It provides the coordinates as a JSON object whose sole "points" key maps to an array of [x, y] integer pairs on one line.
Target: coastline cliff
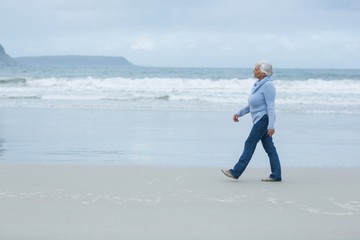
{"points": [[74, 60], [66, 60], [5, 59]]}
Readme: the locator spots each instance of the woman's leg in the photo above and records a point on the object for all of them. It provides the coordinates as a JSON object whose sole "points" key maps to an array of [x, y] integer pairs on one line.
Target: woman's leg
{"points": [[257, 132], [270, 149]]}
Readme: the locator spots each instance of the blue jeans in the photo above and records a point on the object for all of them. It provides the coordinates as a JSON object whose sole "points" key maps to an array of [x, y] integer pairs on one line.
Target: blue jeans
{"points": [[259, 132]]}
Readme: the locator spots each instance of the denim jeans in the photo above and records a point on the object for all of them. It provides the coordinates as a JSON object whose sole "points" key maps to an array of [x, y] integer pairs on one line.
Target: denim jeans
{"points": [[259, 132]]}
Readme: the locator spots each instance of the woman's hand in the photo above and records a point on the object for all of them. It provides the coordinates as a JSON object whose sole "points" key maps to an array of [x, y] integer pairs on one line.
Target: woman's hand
{"points": [[236, 118], [271, 132]]}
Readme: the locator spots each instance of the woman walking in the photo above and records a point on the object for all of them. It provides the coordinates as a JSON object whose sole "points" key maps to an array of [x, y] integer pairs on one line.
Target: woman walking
{"points": [[261, 105]]}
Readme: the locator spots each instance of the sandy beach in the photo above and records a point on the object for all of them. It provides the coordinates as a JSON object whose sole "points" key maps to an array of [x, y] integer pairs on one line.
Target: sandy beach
{"points": [[73, 174], [130, 202]]}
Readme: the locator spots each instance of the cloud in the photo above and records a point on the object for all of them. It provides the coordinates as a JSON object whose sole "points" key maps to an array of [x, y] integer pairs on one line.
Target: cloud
{"points": [[187, 33], [142, 44]]}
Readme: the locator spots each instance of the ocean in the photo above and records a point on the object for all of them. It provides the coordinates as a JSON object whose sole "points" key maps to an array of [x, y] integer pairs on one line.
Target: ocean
{"points": [[199, 89], [173, 116]]}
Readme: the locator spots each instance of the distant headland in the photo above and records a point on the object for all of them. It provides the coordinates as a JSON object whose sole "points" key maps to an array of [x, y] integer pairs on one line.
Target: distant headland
{"points": [[73, 60], [65, 60], [5, 59]]}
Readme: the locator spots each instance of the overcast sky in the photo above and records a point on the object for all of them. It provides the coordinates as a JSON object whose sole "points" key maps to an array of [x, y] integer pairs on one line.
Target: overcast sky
{"points": [[188, 33]]}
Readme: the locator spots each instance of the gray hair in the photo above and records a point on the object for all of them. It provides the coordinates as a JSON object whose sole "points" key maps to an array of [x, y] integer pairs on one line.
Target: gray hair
{"points": [[265, 68]]}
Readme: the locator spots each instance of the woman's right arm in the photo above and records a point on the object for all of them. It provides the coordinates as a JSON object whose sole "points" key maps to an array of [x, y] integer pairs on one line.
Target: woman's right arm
{"points": [[241, 113]]}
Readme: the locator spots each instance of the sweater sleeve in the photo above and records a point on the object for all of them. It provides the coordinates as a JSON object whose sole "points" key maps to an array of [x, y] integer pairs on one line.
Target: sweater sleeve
{"points": [[244, 111], [269, 95]]}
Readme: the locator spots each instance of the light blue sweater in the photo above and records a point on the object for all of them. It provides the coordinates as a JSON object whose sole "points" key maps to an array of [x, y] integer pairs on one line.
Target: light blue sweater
{"points": [[261, 102]]}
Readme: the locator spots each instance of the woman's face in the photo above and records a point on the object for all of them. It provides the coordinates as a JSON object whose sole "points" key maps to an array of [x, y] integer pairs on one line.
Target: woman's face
{"points": [[259, 75]]}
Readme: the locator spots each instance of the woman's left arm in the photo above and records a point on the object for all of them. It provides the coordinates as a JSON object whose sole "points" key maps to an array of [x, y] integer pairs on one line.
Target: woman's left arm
{"points": [[269, 95]]}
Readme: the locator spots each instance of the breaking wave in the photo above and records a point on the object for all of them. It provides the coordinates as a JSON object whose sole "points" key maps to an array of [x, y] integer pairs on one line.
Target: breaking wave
{"points": [[314, 95]]}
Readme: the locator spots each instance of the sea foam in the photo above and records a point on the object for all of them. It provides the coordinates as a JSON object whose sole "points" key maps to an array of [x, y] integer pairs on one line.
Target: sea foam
{"points": [[314, 95]]}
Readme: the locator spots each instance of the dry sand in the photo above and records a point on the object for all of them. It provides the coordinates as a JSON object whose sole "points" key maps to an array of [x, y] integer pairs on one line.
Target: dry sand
{"points": [[128, 202]]}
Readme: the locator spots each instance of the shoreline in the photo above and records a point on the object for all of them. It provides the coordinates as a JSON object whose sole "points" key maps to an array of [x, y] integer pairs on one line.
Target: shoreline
{"points": [[171, 138]]}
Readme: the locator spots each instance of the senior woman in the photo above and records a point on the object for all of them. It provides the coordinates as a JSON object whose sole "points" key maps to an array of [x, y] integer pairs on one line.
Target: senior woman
{"points": [[261, 105]]}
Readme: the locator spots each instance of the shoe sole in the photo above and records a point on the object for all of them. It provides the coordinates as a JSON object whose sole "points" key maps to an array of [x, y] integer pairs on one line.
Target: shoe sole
{"points": [[270, 180]]}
